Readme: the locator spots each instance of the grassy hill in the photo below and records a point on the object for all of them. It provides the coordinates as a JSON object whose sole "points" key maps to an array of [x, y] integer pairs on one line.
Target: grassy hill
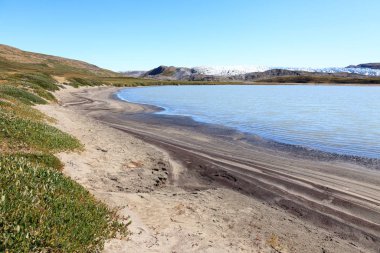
{"points": [[41, 210], [22, 66], [16, 60]]}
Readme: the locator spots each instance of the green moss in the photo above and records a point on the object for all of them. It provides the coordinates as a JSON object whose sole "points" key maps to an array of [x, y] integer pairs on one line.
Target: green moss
{"points": [[43, 211]]}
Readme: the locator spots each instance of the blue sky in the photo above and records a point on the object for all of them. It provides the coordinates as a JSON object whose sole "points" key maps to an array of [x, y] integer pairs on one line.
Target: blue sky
{"points": [[142, 34]]}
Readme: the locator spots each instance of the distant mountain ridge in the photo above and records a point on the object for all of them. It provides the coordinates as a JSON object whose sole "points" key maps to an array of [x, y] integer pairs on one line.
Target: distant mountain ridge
{"points": [[16, 60], [254, 73], [366, 65]]}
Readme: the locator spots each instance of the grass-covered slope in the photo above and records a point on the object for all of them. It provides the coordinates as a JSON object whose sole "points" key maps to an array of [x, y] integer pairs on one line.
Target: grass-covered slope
{"points": [[41, 210], [13, 59]]}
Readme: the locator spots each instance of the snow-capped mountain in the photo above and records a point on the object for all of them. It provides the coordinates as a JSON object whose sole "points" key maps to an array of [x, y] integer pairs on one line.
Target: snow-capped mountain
{"points": [[241, 70], [362, 73], [351, 70], [229, 70]]}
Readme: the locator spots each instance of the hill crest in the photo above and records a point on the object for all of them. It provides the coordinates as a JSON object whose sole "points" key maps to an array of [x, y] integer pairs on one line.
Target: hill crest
{"points": [[12, 58]]}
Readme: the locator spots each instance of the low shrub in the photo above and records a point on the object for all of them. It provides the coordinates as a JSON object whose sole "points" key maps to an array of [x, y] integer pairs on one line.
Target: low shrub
{"points": [[77, 82], [44, 81], [13, 106], [35, 135], [21, 94]]}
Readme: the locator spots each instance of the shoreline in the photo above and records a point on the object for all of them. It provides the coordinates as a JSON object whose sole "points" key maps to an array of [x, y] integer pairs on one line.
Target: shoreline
{"points": [[254, 139], [210, 184]]}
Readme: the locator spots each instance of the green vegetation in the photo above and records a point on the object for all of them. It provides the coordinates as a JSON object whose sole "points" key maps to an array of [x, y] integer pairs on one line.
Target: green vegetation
{"points": [[48, 64], [41, 210], [12, 106], [43, 160], [133, 82], [77, 82], [36, 79], [33, 87], [21, 94], [32, 135]]}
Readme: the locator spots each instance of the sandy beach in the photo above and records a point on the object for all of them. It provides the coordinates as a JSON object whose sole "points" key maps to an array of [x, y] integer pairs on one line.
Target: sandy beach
{"points": [[191, 187]]}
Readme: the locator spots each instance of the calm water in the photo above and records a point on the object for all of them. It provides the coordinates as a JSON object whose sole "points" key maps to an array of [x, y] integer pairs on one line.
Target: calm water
{"points": [[344, 120]]}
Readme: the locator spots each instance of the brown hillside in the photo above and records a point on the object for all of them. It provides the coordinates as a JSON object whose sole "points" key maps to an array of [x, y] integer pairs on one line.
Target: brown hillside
{"points": [[14, 59]]}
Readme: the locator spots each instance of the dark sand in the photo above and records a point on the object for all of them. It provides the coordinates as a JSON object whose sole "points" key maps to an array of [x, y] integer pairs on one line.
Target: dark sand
{"points": [[334, 193]]}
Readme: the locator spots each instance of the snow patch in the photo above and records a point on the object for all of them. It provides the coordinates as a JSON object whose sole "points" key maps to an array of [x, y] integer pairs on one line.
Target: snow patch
{"points": [[241, 70]]}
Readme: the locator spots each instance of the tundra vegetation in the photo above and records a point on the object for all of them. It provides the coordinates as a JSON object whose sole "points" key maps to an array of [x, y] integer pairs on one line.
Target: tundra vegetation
{"points": [[42, 210]]}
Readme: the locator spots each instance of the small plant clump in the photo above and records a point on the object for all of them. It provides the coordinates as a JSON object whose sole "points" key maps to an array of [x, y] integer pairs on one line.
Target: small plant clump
{"points": [[274, 242]]}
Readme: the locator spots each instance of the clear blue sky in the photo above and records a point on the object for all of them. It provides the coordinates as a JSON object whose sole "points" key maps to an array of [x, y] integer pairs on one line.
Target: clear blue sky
{"points": [[142, 34]]}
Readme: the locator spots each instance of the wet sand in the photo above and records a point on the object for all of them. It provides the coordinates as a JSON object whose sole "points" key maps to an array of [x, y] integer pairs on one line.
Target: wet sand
{"points": [[192, 187]]}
